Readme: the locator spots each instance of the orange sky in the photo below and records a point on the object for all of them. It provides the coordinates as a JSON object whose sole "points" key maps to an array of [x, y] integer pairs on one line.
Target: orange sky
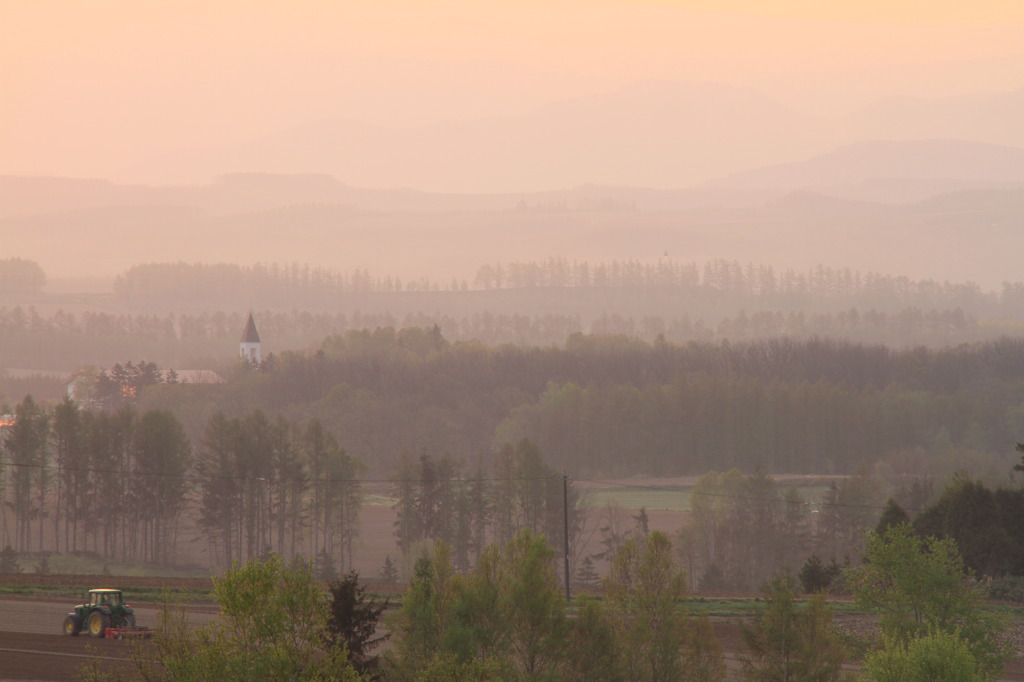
{"points": [[87, 88]]}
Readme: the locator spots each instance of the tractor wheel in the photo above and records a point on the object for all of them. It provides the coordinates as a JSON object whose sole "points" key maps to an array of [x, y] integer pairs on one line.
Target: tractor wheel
{"points": [[129, 620], [72, 626], [98, 623]]}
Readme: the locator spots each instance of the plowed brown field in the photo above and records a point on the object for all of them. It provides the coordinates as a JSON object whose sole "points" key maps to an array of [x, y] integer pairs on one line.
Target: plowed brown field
{"points": [[33, 656]]}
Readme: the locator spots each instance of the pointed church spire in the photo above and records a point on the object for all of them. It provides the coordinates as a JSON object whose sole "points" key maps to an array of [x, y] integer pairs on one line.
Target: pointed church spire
{"points": [[249, 348]]}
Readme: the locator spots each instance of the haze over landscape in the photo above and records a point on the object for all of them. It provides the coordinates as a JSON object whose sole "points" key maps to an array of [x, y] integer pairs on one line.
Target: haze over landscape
{"points": [[408, 138], [638, 297]]}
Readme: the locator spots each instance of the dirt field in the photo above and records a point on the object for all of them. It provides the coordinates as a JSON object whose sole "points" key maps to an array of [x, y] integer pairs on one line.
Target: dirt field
{"points": [[32, 656]]}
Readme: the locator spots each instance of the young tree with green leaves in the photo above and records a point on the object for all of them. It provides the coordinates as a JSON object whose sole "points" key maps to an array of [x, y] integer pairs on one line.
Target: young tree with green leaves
{"points": [[703, 656], [531, 605], [592, 651], [421, 623], [935, 656], [789, 643], [509, 610], [921, 587], [272, 625], [643, 591]]}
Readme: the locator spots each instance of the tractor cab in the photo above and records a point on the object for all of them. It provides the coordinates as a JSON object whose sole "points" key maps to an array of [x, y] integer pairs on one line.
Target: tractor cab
{"points": [[104, 598]]}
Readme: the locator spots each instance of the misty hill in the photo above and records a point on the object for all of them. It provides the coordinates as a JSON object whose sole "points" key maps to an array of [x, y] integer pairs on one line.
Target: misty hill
{"points": [[656, 134], [967, 236], [21, 197], [882, 170], [650, 134], [992, 118]]}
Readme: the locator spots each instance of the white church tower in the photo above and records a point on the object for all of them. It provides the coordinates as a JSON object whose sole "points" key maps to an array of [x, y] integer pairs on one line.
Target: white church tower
{"points": [[249, 348]]}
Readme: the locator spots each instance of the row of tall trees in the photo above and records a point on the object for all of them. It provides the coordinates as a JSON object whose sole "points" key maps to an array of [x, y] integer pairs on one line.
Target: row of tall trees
{"points": [[911, 325], [277, 487], [439, 500], [116, 483], [273, 281], [108, 482]]}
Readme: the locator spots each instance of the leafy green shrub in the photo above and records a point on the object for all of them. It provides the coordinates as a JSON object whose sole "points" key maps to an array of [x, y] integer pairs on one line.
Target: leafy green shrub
{"points": [[1009, 588]]}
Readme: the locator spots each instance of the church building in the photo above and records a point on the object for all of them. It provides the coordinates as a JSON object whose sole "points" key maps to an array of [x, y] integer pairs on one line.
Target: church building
{"points": [[249, 348]]}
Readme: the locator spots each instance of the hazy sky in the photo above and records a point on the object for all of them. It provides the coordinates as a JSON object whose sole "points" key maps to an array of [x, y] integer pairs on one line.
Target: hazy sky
{"points": [[87, 88]]}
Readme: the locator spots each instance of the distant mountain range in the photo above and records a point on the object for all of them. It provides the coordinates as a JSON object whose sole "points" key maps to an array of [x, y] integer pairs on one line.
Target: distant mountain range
{"points": [[908, 186], [894, 170], [653, 134], [877, 171], [78, 228]]}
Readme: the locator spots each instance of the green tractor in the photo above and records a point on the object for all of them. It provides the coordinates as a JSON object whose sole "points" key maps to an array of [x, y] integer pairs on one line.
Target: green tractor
{"points": [[102, 609]]}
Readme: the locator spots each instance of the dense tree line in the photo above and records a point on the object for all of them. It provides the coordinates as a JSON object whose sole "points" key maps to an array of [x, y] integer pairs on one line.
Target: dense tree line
{"points": [[272, 282], [20, 276], [986, 524], [66, 341], [117, 483], [113, 483], [438, 500], [610, 405], [603, 406]]}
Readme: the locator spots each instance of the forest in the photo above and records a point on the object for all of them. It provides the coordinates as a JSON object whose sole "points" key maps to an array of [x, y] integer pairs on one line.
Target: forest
{"points": [[469, 443], [184, 315], [809, 421], [469, 428]]}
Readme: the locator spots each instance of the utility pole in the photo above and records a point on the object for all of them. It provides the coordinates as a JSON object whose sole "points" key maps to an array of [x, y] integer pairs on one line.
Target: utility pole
{"points": [[565, 521]]}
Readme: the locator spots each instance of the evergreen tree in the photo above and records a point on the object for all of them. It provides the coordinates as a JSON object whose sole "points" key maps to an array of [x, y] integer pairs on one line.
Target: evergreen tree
{"points": [[586, 576], [353, 622], [389, 573], [26, 445], [893, 515]]}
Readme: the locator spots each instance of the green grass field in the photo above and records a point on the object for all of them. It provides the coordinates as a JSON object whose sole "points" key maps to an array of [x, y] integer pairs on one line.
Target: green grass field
{"points": [[645, 497], [666, 498]]}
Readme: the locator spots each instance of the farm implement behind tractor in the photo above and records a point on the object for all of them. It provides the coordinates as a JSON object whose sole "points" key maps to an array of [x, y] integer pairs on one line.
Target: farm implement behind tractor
{"points": [[104, 614]]}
